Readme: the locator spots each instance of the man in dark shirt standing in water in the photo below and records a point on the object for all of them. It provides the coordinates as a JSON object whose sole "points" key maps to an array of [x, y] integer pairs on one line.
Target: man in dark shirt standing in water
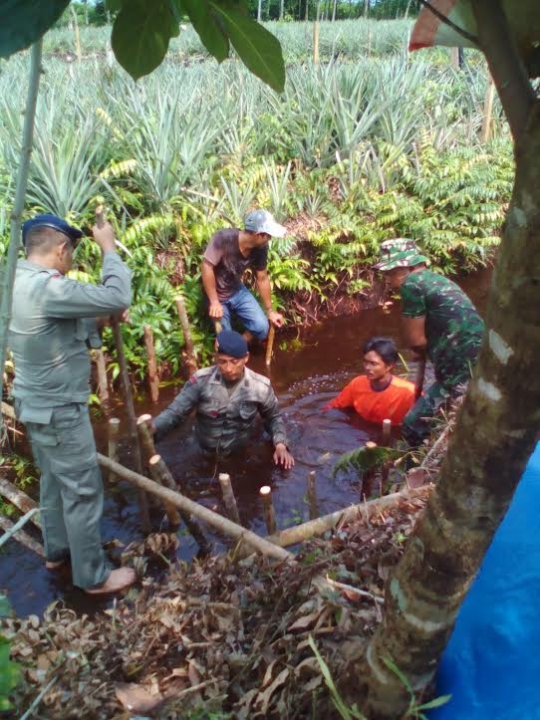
{"points": [[231, 252]]}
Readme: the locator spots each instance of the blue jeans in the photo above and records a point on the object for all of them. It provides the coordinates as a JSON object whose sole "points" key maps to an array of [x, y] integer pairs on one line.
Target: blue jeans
{"points": [[247, 310]]}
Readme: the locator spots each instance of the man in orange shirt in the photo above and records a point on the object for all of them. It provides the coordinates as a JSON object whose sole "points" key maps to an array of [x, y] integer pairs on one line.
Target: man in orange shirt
{"points": [[378, 394]]}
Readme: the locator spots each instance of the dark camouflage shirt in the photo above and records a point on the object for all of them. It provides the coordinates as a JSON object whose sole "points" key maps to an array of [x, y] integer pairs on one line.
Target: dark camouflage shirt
{"points": [[453, 327]]}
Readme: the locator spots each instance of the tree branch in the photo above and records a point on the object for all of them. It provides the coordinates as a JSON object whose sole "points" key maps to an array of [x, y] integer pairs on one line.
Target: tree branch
{"points": [[505, 63], [461, 31]]}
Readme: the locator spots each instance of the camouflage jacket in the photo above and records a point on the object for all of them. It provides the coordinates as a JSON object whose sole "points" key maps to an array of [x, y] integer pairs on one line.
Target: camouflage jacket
{"points": [[223, 422], [453, 327], [52, 327]]}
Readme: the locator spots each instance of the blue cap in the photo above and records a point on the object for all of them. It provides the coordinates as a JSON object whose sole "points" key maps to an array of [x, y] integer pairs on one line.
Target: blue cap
{"points": [[231, 343], [54, 222]]}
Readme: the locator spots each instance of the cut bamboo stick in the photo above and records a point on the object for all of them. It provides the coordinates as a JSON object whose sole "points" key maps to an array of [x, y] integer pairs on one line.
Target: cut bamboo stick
{"points": [[270, 345], [362, 511], [186, 331], [268, 509], [153, 376], [386, 432], [228, 497], [102, 385], [13, 530], [160, 476], [161, 473], [112, 448], [312, 495], [21, 500], [8, 411], [146, 437], [218, 521]]}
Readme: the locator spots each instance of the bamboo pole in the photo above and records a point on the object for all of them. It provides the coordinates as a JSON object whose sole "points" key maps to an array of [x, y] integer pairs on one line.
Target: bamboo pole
{"points": [[186, 330], [7, 273], [103, 385], [113, 427], [180, 501], [228, 498], [153, 376], [270, 345], [268, 509], [363, 511], [13, 530], [312, 495], [21, 500], [128, 399]]}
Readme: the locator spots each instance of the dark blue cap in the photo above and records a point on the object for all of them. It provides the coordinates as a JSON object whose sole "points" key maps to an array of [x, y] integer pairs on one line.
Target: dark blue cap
{"points": [[54, 222], [231, 343]]}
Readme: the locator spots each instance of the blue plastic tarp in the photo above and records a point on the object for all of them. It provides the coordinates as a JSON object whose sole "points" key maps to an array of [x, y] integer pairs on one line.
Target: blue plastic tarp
{"points": [[492, 663]]}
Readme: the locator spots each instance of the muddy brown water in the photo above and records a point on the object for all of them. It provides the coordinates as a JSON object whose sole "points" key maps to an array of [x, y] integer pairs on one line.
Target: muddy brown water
{"points": [[307, 371]]}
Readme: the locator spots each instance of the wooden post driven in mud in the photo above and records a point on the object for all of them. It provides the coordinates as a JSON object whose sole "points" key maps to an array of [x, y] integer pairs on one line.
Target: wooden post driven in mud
{"points": [[268, 509], [158, 470], [386, 432], [146, 437], [186, 330], [228, 497], [270, 345], [102, 383], [153, 376], [113, 427], [182, 502], [312, 495], [128, 398]]}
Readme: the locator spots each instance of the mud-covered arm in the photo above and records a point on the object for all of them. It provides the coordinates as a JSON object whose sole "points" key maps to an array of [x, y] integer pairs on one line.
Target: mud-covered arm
{"points": [[179, 410]]}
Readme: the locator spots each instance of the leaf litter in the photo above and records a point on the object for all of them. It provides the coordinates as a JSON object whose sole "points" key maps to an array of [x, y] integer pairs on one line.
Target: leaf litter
{"points": [[222, 636]]}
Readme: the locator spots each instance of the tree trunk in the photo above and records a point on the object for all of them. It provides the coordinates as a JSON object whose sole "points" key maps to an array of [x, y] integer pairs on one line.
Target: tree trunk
{"points": [[259, 11], [281, 9], [7, 273], [496, 431]]}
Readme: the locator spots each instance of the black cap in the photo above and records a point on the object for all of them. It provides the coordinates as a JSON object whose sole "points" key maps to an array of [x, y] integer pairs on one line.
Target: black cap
{"points": [[231, 343], [54, 222]]}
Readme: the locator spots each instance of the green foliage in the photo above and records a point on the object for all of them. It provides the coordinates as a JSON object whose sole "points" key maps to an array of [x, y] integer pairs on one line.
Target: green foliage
{"points": [[25, 21], [366, 458], [194, 147]]}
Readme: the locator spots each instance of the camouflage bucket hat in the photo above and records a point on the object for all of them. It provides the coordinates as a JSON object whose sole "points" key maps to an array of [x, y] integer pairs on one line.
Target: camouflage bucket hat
{"points": [[400, 252]]}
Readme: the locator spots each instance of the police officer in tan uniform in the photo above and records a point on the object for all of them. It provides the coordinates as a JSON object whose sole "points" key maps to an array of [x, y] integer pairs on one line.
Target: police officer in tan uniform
{"points": [[53, 325], [228, 397]]}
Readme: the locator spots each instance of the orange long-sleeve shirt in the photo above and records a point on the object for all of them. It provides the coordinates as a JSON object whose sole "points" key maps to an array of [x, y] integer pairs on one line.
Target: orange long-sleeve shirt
{"points": [[394, 402]]}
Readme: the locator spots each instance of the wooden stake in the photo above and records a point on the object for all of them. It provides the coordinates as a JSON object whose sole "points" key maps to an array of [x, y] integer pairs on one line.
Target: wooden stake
{"points": [[161, 473], [270, 345], [268, 509], [228, 497], [112, 449], [128, 402], [21, 500], [312, 496], [182, 502], [102, 385], [158, 470], [146, 437], [153, 376], [386, 432], [13, 530], [186, 330]]}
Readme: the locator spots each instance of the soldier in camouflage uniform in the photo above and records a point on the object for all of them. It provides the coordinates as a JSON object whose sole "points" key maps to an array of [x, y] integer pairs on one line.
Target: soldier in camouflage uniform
{"points": [[227, 398], [438, 319], [52, 326]]}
